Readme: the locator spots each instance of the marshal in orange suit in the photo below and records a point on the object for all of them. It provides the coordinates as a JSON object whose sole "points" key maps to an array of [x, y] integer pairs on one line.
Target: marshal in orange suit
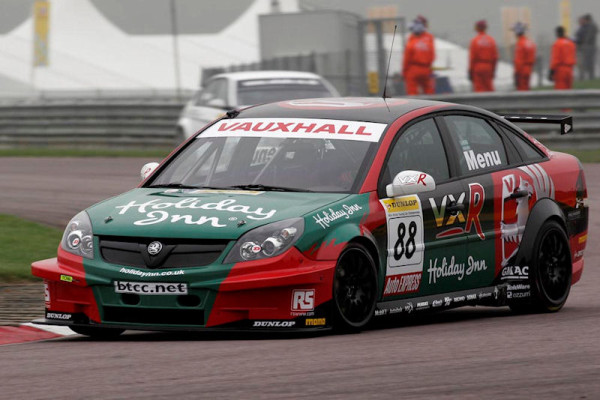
{"points": [[562, 60], [418, 59], [525, 51], [483, 56]]}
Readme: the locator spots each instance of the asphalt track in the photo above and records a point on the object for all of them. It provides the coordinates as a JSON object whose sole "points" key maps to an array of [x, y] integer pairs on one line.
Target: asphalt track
{"points": [[472, 353]]}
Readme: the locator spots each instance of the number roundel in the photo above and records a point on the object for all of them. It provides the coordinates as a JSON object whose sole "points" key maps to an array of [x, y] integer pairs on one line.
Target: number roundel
{"points": [[409, 247]]}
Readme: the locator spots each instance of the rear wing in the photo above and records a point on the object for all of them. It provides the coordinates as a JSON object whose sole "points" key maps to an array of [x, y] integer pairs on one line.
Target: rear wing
{"points": [[565, 121]]}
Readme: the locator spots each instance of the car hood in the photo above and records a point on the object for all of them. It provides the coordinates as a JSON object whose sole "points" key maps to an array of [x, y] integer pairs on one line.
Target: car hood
{"points": [[184, 213]]}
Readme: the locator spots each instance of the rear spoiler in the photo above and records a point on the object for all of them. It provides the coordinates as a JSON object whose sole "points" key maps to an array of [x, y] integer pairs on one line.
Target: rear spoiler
{"points": [[565, 121]]}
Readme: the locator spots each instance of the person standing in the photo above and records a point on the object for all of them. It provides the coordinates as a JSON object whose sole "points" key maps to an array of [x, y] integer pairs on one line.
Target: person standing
{"points": [[579, 39], [525, 51], [419, 55], [585, 39], [562, 60], [426, 33], [483, 57]]}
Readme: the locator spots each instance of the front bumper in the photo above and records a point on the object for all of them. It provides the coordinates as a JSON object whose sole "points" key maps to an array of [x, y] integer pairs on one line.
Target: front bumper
{"points": [[284, 293]]}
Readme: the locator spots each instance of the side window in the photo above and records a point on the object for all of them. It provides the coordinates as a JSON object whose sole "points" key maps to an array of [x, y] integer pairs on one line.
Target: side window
{"points": [[478, 145], [216, 89], [528, 153], [419, 148]]}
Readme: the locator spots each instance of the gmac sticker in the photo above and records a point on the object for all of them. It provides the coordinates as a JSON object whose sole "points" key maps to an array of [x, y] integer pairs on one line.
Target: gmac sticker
{"points": [[405, 245]]}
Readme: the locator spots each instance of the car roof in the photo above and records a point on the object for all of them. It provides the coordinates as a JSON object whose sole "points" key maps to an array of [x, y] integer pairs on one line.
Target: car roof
{"points": [[368, 109], [245, 75]]}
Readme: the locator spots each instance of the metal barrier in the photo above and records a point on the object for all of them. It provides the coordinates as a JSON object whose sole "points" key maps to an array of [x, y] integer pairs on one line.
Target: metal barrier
{"points": [[90, 122], [149, 122]]}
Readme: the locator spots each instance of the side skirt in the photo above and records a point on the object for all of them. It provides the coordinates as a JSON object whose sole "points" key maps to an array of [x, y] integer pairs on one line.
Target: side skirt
{"points": [[498, 295]]}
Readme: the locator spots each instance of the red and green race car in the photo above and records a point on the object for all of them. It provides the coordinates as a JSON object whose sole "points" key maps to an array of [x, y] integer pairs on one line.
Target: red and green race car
{"points": [[313, 214]]}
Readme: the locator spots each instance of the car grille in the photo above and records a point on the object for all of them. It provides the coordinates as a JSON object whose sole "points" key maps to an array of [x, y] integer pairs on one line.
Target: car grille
{"points": [[166, 316], [175, 253]]}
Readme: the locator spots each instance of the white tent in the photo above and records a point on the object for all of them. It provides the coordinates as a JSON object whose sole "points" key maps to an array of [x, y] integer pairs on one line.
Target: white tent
{"points": [[86, 51]]}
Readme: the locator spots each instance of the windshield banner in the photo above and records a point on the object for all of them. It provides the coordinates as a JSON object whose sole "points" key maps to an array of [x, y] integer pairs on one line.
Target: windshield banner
{"points": [[296, 128]]}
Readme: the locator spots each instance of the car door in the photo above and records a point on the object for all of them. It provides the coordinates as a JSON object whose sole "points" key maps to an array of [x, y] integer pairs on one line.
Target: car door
{"points": [[425, 242], [479, 151]]}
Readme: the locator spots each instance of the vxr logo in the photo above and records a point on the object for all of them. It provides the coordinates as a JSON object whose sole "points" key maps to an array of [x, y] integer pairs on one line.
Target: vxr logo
{"points": [[451, 210], [413, 180]]}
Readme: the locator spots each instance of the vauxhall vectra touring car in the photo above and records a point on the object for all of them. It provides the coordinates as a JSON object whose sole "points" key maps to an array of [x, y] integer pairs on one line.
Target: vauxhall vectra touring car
{"points": [[327, 213]]}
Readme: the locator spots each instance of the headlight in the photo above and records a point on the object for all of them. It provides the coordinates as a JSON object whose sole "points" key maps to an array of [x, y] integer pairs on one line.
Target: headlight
{"points": [[78, 238], [266, 241]]}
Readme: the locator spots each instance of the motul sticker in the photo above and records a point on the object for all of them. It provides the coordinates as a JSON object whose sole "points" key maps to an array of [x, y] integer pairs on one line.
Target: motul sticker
{"points": [[296, 128]]}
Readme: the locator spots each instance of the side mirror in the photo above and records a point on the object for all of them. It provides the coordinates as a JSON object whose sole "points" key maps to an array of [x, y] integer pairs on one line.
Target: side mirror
{"points": [[410, 182], [148, 169], [217, 103]]}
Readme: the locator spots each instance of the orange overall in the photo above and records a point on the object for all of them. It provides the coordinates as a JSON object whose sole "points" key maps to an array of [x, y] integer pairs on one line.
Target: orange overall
{"points": [[416, 69], [524, 60], [483, 55], [562, 61]]}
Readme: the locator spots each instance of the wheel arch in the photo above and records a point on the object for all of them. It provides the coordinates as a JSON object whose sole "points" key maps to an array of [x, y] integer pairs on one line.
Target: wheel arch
{"points": [[369, 244], [544, 210]]}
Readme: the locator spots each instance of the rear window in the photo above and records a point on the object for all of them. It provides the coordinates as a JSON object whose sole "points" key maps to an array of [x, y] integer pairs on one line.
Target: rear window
{"points": [[258, 91], [528, 153]]}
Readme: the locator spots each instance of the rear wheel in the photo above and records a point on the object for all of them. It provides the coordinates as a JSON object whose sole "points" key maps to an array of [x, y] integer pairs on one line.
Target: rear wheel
{"points": [[354, 288], [551, 271], [97, 332]]}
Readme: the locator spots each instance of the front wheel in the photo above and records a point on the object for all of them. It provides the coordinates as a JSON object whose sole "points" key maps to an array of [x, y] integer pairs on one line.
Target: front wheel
{"points": [[550, 273], [354, 288]]}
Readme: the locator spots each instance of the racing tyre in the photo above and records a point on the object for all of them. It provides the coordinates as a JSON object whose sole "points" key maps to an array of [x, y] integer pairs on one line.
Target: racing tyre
{"points": [[354, 289], [96, 332], [550, 273]]}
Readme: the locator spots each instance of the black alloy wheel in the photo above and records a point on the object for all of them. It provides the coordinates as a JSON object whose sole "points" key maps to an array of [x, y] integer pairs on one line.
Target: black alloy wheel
{"points": [[354, 288], [551, 275]]}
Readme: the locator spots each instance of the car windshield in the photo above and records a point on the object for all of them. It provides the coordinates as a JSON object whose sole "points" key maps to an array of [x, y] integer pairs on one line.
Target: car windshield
{"points": [[280, 163], [258, 91]]}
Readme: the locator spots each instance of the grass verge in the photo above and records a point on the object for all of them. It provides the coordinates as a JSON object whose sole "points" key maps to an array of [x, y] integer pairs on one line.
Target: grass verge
{"points": [[586, 84], [21, 243], [585, 156], [58, 152]]}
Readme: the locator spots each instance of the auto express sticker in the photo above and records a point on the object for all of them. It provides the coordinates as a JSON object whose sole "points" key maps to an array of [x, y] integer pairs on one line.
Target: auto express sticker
{"points": [[155, 211], [405, 245]]}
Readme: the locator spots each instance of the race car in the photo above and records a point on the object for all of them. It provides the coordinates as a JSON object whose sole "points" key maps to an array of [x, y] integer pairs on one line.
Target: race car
{"points": [[235, 90], [326, 213]]}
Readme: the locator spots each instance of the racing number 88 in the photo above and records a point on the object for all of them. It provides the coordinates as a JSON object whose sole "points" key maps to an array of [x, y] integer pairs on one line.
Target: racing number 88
{"points": [[405, 248]]}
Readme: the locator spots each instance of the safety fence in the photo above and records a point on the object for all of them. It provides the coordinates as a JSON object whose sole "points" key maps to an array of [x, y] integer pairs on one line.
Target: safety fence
{"points": [[150, 122], [88, 122]]}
